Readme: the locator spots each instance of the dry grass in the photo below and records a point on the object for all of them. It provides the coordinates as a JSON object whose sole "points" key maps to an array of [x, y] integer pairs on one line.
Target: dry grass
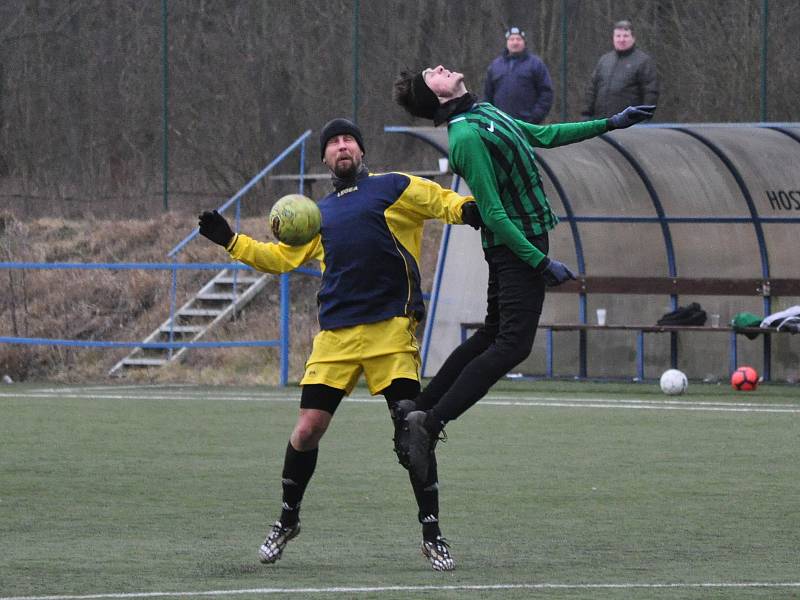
{"points": [[112, 305]]}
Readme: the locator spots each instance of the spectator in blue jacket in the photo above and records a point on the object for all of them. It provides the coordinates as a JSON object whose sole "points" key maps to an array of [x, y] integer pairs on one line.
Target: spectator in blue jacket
{"points": [[517, 81]]}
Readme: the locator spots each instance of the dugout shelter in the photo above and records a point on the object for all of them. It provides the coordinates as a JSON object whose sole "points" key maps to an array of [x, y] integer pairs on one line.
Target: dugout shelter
{"points": [[652, 217]]}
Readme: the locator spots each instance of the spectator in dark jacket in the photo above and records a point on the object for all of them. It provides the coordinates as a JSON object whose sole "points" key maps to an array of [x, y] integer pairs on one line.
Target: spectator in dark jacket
{"points": [[624, 77], [517, 81]]}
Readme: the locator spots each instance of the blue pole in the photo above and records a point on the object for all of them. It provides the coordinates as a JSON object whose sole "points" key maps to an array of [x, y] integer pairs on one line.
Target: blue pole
{"points": [[172, 301], [640, 356], [301, 181]]}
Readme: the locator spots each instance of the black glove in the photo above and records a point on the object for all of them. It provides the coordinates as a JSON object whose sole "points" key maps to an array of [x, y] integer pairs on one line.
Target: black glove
{"points": [[470, 215], [631, 116], [214, 226], [555, 273]]}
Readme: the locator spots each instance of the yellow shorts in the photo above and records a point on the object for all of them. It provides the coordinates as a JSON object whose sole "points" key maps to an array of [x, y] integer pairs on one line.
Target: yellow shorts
{"points": [[383, 351]]}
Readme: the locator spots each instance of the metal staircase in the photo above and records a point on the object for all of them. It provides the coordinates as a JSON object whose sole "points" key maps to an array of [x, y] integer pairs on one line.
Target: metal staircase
{"points": [[219, 299]]}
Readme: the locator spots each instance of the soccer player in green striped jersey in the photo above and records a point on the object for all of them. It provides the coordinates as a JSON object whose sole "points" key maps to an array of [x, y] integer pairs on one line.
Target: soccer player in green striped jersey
{"points": [[494, 154]]}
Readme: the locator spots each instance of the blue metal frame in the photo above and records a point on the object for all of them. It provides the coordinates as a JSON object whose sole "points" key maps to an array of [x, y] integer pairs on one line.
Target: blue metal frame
{"points": [[733, 351], [784, 131], [656, 201]]}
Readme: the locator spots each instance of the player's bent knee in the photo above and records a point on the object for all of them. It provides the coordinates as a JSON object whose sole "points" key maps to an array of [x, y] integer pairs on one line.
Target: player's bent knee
{"points": [[309, 430], [517, 357], [513, 352], [509, 357]]}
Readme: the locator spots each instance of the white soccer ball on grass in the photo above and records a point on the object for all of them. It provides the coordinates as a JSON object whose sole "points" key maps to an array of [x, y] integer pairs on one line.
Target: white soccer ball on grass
{"points": [[673, 382]]}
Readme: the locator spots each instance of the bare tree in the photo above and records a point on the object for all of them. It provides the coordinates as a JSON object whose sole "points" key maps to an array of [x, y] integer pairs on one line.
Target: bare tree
{"points": [[81, 95]]}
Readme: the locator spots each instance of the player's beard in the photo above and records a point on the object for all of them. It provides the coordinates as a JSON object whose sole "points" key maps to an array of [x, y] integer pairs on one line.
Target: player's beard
{"points": [[346, 169]]}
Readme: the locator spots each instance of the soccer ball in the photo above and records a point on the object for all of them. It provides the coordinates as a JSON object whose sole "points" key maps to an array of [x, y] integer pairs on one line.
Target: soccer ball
{"points": [[295, 219], [673, 382], [744, 379]]}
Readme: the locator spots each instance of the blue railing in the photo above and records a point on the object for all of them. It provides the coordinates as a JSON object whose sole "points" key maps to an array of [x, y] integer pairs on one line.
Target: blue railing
{"points": [[284, 278], [171, 345], [282, 342]]}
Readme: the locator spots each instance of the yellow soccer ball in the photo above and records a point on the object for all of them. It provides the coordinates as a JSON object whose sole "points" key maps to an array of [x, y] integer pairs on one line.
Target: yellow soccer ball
{"points": [[295, 219]]}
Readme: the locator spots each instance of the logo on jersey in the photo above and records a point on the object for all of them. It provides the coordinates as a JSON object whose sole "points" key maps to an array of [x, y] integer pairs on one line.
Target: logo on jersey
{"points": [[490, 128], [344, 191]]}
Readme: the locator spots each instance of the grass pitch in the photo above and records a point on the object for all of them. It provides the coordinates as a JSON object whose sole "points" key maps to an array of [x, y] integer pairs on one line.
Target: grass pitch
{"points": [[551, 490]]}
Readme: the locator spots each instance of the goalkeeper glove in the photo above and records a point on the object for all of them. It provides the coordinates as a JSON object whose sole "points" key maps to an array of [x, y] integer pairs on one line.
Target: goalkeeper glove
{"points": [[470, 215], [555, 273], [214, 226], [631, 116]]}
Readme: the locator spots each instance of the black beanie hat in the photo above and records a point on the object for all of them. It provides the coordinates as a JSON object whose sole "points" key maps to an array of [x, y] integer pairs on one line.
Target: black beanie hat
{"points": [[424, 102], [339, 127]]}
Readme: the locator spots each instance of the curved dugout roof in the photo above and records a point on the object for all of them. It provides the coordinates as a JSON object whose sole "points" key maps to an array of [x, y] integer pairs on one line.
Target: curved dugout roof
{"points": [[683, 201]]}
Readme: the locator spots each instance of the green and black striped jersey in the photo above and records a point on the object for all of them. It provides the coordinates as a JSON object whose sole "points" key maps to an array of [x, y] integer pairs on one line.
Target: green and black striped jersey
{"points": [[494, 154]]}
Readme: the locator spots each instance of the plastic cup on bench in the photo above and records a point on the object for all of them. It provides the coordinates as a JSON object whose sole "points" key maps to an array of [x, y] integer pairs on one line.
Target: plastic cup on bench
{"points": [[601, 316], [714, 319]]}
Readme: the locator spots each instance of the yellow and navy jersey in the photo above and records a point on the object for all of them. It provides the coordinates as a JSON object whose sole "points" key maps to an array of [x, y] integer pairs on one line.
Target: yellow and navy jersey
{"points": [[368, 246]]}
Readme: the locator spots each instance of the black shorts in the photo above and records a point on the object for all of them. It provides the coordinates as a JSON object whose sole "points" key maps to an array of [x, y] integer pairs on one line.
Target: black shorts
{"points": [[321, 397]]}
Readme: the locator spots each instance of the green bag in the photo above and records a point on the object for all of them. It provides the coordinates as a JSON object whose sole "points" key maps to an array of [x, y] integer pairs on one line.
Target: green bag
{"points": [[746, 319]]}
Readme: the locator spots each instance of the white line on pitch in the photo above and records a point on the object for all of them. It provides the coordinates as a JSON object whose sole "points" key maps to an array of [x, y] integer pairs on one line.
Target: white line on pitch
{"points": [[491, 400], [589, 404], [292, 394], [188, 392], [423, 588]]}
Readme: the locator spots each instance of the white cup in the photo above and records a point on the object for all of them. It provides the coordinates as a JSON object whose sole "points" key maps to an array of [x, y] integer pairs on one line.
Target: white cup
{"points": [[714, 320], [601, 316], [443, 165]]}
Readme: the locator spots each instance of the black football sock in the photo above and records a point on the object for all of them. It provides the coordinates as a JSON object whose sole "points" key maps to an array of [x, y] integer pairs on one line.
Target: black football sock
{"points": [[298, 467], [427, 496]]}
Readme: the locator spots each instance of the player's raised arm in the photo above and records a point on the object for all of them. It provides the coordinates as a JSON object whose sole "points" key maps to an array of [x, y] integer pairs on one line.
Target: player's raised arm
{"points": [[264, 256]]}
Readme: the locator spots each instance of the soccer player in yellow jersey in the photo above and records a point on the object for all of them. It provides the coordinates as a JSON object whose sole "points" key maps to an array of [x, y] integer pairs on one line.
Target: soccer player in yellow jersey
{"points": [[370, 302]]}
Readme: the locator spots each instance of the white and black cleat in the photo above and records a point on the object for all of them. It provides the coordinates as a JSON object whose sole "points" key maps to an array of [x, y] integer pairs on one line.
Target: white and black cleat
{"points": [[438, 553], [272, 548]]}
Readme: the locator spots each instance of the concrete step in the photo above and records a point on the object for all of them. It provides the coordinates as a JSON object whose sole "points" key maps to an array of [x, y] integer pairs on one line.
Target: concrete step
{"points": [[199, 312], [144, 362], [240, 279], [182, 329], [196, 316], [223, 296]]}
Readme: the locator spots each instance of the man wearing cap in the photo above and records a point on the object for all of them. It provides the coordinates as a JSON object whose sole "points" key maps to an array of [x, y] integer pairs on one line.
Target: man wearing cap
{"points": [[626, 76], [494, 153], [370, 303], [517, 81]]}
